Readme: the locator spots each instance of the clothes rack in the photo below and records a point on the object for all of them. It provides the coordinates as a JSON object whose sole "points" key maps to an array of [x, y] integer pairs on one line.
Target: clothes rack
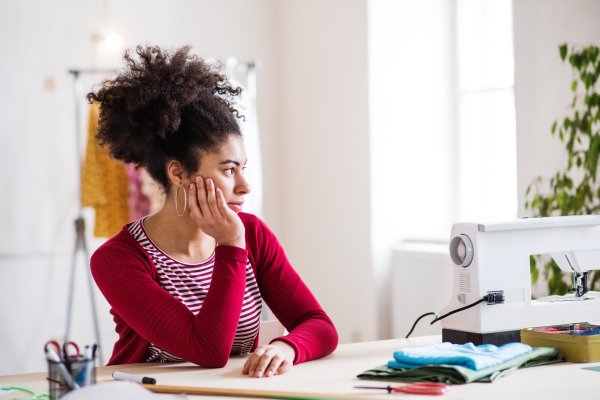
{"points": [[80, 242]]}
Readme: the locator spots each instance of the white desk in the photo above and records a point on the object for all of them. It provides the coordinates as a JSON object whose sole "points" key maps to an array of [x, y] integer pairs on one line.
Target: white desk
{"points": [[337, 374]]}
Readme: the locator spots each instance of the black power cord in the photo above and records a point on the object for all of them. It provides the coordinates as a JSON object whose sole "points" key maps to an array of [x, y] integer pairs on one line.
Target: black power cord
{"points": [[491, 298], [418, 319], [458, 310]]}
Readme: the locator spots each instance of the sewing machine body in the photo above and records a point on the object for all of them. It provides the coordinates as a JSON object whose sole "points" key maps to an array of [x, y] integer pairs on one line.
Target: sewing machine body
{"points": [[499, 261]]}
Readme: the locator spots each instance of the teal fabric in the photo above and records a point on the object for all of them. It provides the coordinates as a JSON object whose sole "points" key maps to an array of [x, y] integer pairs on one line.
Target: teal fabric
{"points": [[454, 374], [465, 355]]}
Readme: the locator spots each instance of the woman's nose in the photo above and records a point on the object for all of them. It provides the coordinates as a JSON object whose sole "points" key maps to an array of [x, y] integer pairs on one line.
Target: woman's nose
{"points": [[243, 186]]}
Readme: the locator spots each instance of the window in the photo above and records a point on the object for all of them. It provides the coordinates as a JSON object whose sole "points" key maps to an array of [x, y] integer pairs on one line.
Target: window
{"points": [[486, 153], [442, 119], [410, 93]]}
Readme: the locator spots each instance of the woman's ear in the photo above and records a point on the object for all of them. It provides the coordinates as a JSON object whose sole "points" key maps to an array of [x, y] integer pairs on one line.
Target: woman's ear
{"points": [[175, 172]]}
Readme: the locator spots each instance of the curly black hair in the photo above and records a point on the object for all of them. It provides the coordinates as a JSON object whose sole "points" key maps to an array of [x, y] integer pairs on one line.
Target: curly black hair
{"points": [[165, 105]]}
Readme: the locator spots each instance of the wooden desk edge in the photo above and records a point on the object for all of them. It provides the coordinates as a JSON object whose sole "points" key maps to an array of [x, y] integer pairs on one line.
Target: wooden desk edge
{"points": [[191, 390]]}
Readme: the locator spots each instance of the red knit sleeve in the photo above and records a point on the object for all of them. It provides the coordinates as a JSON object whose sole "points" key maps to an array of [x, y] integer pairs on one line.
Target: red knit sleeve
{"points": [[123, 276], [311, 332]]}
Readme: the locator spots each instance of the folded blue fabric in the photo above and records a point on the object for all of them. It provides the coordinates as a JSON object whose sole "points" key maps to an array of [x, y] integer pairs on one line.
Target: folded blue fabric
{"points": [[466, 355]]}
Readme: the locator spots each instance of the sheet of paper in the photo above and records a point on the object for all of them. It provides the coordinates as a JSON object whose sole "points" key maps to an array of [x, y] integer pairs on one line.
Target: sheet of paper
{"points": [[571, 297]]}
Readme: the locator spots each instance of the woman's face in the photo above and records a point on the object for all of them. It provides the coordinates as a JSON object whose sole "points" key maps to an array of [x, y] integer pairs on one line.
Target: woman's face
{"points": [[226, 169]]}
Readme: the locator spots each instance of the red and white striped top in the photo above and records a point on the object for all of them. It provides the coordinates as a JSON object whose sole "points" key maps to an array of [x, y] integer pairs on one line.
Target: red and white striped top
{"points": [[189, 283]]}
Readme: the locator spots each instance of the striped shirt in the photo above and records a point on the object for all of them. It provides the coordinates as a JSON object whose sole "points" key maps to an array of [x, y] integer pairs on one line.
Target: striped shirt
{"points": [[189, 283]]}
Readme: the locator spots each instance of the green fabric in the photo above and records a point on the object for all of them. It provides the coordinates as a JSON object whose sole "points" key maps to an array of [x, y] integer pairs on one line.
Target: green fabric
{"points": [[455, 374]]}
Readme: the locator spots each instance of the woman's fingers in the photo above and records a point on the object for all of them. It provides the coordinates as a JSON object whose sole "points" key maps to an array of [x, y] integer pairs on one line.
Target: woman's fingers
{"points": [[212, 198], [210, 212], [246, 367], [274, 365], [193, 201], [222, 204], [284, 367], [264, 362], [254, 359], [202, 197]]}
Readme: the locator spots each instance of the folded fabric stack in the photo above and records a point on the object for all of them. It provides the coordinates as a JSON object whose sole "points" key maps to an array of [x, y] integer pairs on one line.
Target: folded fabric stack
{"points": [[459, 364], [465, 355]]}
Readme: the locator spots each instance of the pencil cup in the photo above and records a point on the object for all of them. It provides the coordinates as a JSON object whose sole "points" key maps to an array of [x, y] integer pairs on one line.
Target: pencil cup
{"points": [[66, 376]]}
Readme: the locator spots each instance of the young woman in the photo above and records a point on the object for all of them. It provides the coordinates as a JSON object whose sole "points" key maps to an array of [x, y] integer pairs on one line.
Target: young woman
{"points": [[188, 282]]}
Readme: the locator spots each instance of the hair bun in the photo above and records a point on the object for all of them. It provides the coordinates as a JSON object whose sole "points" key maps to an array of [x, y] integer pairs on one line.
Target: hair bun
{"points": [[145, 101]]}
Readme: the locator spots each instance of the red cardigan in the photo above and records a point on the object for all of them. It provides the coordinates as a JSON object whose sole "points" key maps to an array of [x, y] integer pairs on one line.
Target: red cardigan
{"points": [[145, 312]]}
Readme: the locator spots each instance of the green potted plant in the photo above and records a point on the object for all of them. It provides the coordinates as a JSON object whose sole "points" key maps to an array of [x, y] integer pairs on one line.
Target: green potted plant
{"points": [[580, 131]]}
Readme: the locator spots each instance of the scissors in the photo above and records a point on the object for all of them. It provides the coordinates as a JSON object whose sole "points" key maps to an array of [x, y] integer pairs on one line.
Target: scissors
{"points": [[426, 388], [65, 349]]}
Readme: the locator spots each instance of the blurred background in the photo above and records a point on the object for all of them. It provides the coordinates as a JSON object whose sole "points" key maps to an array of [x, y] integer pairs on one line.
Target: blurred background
{"points": [[375, 125]]}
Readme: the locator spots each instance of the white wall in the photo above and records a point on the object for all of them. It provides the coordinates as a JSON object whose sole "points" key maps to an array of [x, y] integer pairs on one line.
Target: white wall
{"points": [[410, 98], [40, 40], [324, 182], [543, 81]]}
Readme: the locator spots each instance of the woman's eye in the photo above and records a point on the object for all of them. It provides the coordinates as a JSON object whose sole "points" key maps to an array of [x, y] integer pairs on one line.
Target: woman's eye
{"points": [[243, 170], [229, 171]]}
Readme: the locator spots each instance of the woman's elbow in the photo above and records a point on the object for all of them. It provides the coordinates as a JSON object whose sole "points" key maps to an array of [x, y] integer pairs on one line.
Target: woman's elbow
{"points": [[213, 362], [213, 365], [220, 363], [332, 340], [328, 339]]}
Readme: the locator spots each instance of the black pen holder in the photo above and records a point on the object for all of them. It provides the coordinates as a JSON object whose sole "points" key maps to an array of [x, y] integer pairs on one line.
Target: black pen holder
{"points": [[81, 370]]}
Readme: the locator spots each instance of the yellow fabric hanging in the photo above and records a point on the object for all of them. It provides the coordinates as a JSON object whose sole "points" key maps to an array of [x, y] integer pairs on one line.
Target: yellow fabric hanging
{"points": [[104, 184]]}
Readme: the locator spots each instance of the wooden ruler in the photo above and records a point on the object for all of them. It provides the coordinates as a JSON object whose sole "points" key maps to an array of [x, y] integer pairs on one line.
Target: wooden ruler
{"points": [[258, 394]]}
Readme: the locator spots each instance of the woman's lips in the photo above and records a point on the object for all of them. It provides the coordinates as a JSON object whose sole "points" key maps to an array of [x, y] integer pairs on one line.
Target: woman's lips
{"points": [[237, 207]]}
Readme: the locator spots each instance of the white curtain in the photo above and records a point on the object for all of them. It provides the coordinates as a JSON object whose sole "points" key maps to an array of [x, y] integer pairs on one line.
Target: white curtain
{"points": [[246, 104]]}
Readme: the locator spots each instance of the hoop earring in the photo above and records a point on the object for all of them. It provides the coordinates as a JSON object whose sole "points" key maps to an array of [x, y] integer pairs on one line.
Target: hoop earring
{"points": [[185, 198]]}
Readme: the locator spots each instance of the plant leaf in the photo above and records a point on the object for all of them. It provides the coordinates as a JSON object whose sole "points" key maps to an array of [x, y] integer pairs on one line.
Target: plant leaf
{"points": [[563, 51], [533, 270]]}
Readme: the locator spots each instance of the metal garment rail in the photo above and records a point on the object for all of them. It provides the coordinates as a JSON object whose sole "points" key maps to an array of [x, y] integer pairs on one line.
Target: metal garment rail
{"points": [[80, 242]]}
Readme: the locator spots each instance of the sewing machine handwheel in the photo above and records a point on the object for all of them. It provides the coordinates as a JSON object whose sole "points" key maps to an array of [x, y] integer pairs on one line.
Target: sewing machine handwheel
{"points": [[461, 250]]}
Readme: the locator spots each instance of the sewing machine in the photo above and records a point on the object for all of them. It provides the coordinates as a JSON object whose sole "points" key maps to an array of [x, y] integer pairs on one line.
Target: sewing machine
{"points": [[492, 259]]}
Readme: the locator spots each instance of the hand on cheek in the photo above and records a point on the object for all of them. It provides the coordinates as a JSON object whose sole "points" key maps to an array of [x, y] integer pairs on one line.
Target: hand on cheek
{"points": [[209, 210], [271, 360]]}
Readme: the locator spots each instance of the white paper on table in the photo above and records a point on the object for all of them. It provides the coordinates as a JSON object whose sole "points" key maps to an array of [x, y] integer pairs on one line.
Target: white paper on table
{"points": [[117, 391], [571, 297]]}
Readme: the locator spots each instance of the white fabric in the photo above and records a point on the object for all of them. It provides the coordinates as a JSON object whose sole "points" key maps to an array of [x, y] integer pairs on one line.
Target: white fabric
{"points": [[571, 297], [117, 391]]}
